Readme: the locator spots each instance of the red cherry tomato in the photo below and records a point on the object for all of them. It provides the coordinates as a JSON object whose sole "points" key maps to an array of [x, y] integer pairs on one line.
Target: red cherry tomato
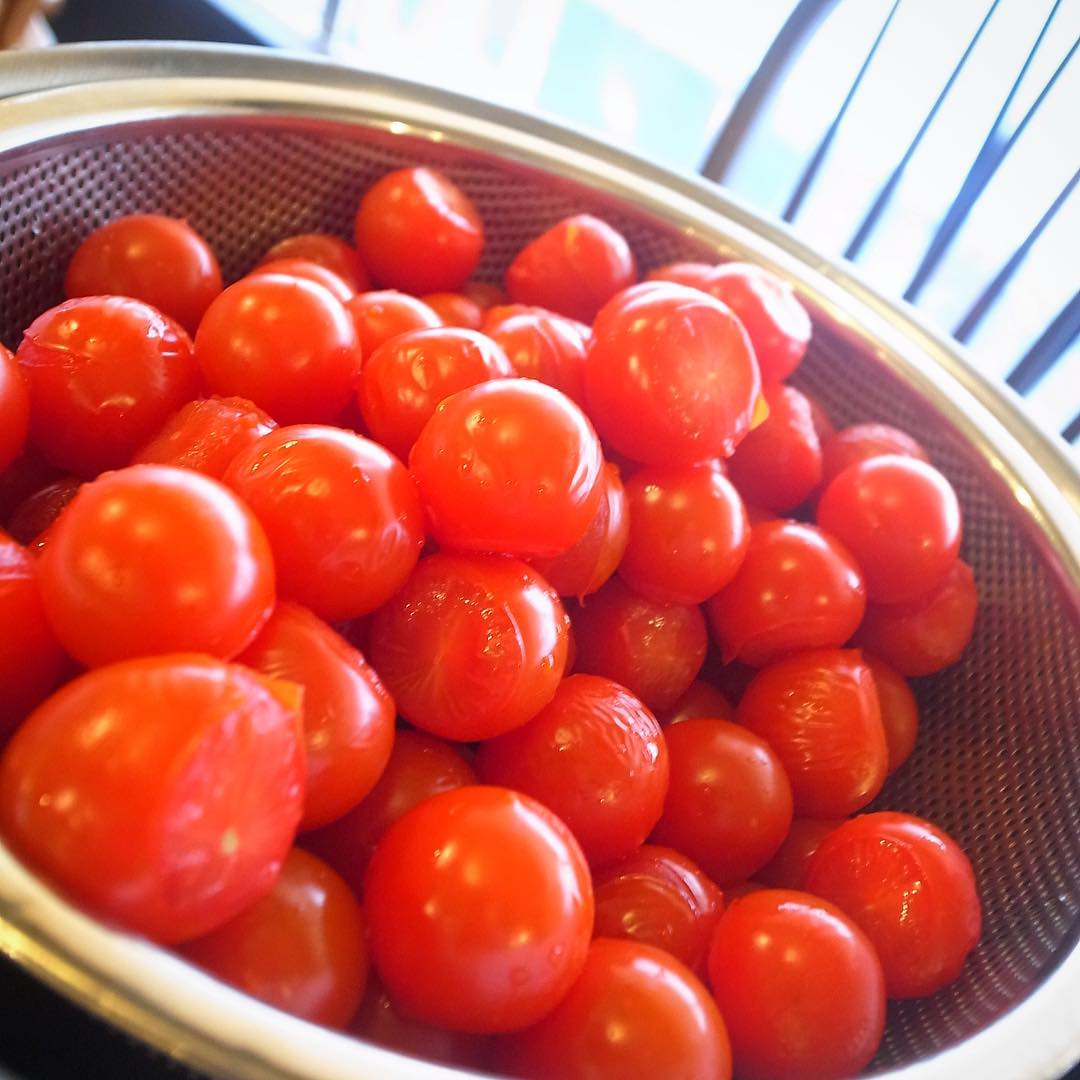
{"points": [[899, 710], [484, 293], [406, 378], [823, 425], [284, 343], [14, 409], [308, 270], [585, 566], [348, 715], [634, 1011], [819, 711], [654, 650], [799, 985], [688, 533], [103, 372], [300, 947], [701, 699], [38, 511], [860, 442], [729, 801], [900, 519], [574, 268], [341, 513], [420, 766], [205, 435], [144, 823], [472, 646], [509, 465], [797, 588], [595, 756], [657, 896], [380, 316], [545, 346], [910, 888], [929, 633], [778, 464], [328, 251], [31, 659], [480, 910], [152, 559], [787, 868], [160, 260], [416, 230], [670, 376], [455, 309]]}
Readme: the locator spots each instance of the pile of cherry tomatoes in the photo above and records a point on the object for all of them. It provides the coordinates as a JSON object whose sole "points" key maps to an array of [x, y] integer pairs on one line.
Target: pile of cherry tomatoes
{"points": [[294, 577]]}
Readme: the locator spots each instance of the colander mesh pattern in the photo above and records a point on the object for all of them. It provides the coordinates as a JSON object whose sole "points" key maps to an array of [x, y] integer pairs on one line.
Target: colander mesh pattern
{"points": [[998, 761]]}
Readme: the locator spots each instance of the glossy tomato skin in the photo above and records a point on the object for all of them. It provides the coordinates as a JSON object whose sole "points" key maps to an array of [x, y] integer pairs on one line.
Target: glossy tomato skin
{"points": [[688, 533], [282, 342], [700, 699], [384, 314], [406, 378], [103, 373], [729, 801], [819, 711], [545, 346], [31, 658], [927, 634], [595, 756], [480, 910], [418, 231], [654, 650], [420, 766], [911, 889], [143, 823], [634, 1011], [455, 309], [348, 715], [472, 646], [329, 251], [799, 985], [670, 376], [14, 409], [341, 513], [778, 464], [657, 896], [573, 268], [860, 442], [899, 710], [300, 947], [152, 559], [900, 518], [160, 260], [509, 465], [797, 588], [35, 514], [308, 270], [787, 868]]}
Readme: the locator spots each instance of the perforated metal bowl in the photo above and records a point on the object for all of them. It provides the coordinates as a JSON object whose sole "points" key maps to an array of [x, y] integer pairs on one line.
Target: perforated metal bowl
{"points": [[251, 147]]}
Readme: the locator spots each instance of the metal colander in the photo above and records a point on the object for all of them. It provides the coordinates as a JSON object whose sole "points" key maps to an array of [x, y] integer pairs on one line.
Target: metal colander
{"points": [[250, 148]]}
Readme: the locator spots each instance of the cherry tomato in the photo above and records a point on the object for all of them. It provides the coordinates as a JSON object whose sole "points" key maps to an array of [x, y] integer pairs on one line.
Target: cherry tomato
{"points": [[160, 260], [585, 566], [787, 868], [472, 646], [14, 409], [670, 376], [341, 513], [328, 251], [455, 309], [205, 435], [484, 293], [380, 316], [729, 801], [900, 519], [929, 633], [152, 559], [300, 947], [778, 464], [860, 442], [144, 823], [406, 378], [910, 888], [797, 588], [574, 268], [480, 910], [284, 343], [416, 230], [103, 372], [31, 659], [657, 896], [38, 511], [509, 465], [595, 756], [309, 270], [545, 346], [688, 533], [899, 710], [819, 711], [799, 985], [420, 766], [347, 713], [823, 425], [700, 699]]}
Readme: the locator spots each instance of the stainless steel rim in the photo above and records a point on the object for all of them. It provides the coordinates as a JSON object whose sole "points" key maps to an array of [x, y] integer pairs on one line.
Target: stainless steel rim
{"points": [[197, 1019]]}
